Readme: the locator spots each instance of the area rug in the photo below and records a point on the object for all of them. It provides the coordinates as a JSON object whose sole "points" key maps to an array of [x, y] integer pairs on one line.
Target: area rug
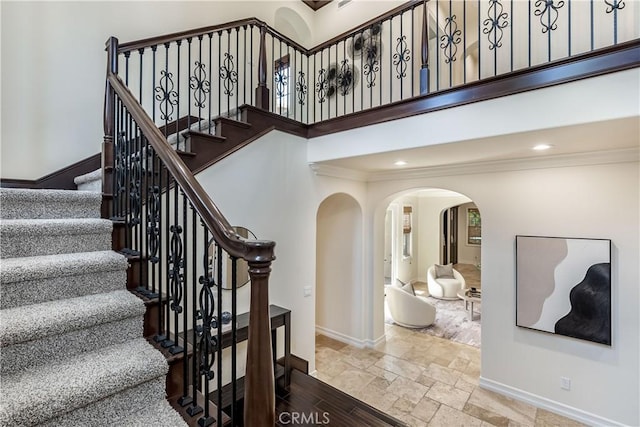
{"points": [[452, 322]]}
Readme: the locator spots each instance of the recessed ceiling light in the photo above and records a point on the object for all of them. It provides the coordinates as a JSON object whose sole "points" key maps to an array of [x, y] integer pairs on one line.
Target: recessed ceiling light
{"points": [[542, 147], [400, 163]]}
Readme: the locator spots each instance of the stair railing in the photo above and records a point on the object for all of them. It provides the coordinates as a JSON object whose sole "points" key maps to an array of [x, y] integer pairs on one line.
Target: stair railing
{"points": [[420, 47], [175, 237]]}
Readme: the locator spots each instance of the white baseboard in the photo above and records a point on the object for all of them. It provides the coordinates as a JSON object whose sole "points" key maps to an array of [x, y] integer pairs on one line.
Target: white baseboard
{"points": [[339, 336], [314, 374], [548, 404], [373, 343]]}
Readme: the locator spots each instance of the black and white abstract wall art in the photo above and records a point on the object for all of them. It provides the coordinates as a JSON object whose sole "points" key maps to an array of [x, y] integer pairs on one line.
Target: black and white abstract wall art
{"points": [[563, 286]]}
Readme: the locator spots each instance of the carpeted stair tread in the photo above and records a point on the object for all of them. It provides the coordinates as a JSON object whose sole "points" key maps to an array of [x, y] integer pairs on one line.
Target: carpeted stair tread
{"points": [[105, 412], [33, 237], [56, 347], [27, 203], [159, 413], [33, 280], [35, 395], [28, 323], [40, 267]]}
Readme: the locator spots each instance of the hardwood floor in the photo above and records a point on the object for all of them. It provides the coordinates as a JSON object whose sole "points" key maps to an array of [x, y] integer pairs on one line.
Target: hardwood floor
{"points": [[309, 401]]}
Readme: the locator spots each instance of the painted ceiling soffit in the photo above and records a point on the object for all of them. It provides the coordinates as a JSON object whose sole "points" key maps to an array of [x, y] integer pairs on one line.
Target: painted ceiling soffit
{"points": [[625, 155]]}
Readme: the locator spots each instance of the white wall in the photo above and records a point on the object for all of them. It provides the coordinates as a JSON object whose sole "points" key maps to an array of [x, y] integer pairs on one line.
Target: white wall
{"points": [[278, 200], [339, 267], [599, 201]]}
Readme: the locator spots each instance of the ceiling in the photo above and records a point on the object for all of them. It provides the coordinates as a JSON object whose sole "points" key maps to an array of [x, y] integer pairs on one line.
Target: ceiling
{"points": [[590, 137]]}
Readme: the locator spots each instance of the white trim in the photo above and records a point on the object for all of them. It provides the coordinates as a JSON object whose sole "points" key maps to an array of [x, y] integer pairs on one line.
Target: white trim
{"points": [[623, 155], [338, 172], [314, 374], [548, 404], [339, 336], [377, 341]]}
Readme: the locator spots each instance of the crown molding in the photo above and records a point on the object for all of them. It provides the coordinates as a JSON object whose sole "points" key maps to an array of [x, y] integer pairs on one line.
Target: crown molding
{"points": [[627, 155], [338, 172]]}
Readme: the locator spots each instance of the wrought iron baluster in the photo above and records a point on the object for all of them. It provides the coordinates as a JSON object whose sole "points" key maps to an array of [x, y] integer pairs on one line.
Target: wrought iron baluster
{"points": [[206, 344], [218, 321], [200, 85], [178, 43], [154, 49], [194, 409], [166, 93], [210, 114], [126, 68], [234, 334], [493, 27], [141, 65], [175, 266], [613, 6], [450, 41]]}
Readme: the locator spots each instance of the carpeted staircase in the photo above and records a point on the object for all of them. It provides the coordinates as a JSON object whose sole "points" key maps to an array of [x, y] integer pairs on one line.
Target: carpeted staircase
{"points": [[72, 351]]}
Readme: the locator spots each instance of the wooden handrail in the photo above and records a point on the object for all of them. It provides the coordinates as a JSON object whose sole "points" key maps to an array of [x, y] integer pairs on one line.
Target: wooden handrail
{"points": [[168, 38], [223, 232]]}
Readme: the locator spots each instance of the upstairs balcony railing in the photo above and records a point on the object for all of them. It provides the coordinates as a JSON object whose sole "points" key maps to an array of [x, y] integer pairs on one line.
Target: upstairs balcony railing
{"points": [[419, 48]]}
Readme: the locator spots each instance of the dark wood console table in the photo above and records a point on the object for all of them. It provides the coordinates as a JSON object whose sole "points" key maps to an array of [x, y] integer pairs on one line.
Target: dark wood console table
{"points": [[279, 317]]}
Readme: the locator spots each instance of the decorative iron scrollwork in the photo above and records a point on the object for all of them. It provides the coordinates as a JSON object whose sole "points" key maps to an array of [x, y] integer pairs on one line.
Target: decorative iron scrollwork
{"points": [[207, 343], [175, 268], [120, 164], [153, 223], [200, 85], [497, 20], [322, 86], [346, 78], [401, 57], [135, 175], [450, 39], [166, 94], [281, 78], [228, 74], [614, 5], [551, 11], [301, 88]]}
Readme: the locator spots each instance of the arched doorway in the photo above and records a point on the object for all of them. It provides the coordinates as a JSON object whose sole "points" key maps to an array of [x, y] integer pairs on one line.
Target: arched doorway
{"points": [[436, 227], [339, 269]]}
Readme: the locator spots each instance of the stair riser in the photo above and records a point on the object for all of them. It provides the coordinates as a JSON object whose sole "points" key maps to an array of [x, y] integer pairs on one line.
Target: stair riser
{"points": [[59, 347], [23, 245], [105, 412], [29, 292]]}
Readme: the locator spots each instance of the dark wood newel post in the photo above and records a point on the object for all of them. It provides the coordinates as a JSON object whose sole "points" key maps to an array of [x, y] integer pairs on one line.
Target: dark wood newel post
{"points": [[108, 124], [259, 395], [262, 91], [424, 71]]}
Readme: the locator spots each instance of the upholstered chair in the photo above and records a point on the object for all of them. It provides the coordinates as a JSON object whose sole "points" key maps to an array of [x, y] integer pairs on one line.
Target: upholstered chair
{"points": [[409, 310], [445, 285]]}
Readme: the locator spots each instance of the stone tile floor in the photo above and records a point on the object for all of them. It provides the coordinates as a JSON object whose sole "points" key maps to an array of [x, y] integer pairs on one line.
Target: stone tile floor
{"points": [[423, 381]]}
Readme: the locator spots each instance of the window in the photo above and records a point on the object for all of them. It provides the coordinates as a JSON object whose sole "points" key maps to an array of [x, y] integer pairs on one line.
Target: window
{"points": [[281, 73], [474, 227], [406, 231]]}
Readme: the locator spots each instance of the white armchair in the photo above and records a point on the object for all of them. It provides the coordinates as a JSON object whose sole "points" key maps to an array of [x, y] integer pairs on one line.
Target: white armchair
{"points": [[445, 287], [409, 310]]}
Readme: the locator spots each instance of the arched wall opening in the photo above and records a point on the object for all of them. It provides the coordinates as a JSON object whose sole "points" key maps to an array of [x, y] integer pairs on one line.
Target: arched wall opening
{"points": [[291, 24], [339, 260]]}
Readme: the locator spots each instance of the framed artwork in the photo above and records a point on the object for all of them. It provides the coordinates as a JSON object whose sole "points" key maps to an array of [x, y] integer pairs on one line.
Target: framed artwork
{"points": [[563, 286]]}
